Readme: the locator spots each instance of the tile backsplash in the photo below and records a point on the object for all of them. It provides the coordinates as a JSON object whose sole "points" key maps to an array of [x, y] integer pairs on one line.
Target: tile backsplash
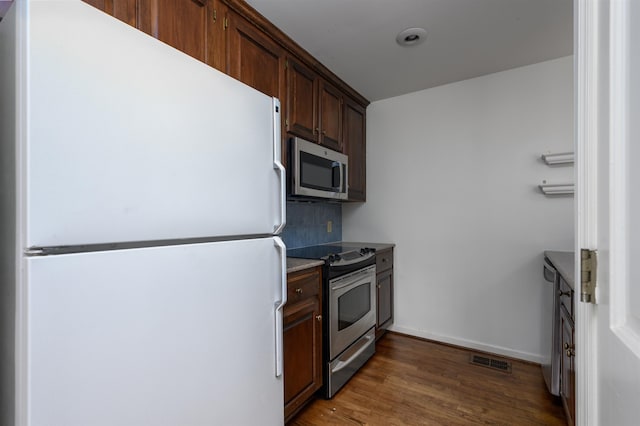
{"points": [[307, 223]]}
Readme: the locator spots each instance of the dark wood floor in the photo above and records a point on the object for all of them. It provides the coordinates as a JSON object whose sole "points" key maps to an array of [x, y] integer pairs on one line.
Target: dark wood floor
{"points": [[411, 381]]}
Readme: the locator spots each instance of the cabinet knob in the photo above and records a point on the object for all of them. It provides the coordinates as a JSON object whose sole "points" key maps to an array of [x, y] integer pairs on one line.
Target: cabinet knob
{"points": [[298, 291], [324, 132], [316, 131], [566, 346], [569, 353], [319, 317]]}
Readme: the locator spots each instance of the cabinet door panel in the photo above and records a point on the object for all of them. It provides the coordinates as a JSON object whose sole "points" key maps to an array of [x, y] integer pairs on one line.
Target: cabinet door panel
{"points": [[217, 36], [302, 340], [330, 116], [253, 58], [302, 101], [298, 350], [353, 139], [124, 10], [385, 298], [567, 366], [179, 23]]}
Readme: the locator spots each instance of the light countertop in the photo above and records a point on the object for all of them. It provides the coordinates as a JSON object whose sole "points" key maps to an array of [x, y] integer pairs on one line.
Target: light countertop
{"points": [[295, 264]]}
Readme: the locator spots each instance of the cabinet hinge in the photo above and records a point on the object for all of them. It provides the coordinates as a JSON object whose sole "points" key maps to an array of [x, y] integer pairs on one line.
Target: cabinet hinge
{"points": [[226, 23], [588, 273], [215, 15]]}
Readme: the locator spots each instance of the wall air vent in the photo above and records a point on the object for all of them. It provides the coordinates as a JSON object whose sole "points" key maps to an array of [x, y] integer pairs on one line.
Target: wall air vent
{"points": [[494, 363]]}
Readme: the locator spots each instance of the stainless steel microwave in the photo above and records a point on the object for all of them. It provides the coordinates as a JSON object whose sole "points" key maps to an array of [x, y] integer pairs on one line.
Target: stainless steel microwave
{"points": [[316, 171]]}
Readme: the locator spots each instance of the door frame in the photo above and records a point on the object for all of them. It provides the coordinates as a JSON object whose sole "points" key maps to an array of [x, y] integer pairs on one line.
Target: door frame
{"points": [[587, 32], [601, 54]]}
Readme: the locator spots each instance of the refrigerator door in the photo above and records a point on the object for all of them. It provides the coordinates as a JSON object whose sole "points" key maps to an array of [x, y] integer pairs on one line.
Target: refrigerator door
{"points": [[129, 139], [178, 335]]}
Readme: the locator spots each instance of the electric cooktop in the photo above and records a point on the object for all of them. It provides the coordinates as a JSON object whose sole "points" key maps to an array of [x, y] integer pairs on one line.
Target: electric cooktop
{"points": [[333, 253]]}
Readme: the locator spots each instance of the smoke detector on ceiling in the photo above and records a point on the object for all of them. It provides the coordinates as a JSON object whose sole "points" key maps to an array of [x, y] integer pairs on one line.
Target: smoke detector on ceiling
{"points": [[411, 37]]}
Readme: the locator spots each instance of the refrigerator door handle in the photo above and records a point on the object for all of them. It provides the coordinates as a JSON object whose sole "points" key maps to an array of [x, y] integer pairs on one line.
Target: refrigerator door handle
{"points": [[277, 164], [279, 306]]}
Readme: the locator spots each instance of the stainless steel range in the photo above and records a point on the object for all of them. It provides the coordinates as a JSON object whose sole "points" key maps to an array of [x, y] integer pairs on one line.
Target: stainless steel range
{"points": [[349, 309]]}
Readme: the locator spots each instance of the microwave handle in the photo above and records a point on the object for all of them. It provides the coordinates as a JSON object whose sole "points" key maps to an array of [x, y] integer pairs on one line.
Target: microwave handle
{"points": [[337, 186]]}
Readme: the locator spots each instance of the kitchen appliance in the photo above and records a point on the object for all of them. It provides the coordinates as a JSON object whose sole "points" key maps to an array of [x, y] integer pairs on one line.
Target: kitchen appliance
{"points": [[316, 171], [349, 310], [551, 367], [141, 215]]}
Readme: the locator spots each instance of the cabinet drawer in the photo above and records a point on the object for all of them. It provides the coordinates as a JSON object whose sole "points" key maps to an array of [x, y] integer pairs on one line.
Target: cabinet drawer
{"points": [[565, 295], [384, 260], [303, 284]]}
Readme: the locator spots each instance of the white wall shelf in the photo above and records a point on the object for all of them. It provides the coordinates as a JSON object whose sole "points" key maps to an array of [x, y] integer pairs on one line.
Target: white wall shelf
{"points": [[558, 158], [557, 188]]}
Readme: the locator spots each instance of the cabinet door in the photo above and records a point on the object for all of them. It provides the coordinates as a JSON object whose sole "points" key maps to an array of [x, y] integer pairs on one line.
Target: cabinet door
{"points": [[217, 36], [330, 116], [302, 100], [253, 58], [354, 146], [124, 10], [567, 366], [302, 342], [179, 23], [385, 299]]}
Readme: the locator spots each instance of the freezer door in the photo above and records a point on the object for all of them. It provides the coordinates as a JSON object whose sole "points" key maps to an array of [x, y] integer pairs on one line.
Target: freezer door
{"points": [[181, 335], [129, 139]]}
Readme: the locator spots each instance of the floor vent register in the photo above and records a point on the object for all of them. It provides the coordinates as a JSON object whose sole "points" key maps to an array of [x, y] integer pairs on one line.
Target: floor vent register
{"points": [[493, 363]]}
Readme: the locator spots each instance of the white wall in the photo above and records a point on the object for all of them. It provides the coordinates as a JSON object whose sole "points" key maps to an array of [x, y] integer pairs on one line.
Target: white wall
{"points": [[452, 175]]}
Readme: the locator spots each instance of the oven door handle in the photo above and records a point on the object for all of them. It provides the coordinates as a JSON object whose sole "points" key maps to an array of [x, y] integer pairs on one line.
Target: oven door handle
{"points": [[353, 279], [342, 364]]}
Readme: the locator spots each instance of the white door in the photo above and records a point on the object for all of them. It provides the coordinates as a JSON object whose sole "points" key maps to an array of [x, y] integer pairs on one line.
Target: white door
{"points": [[128, 139], [608, 173], [162, 336]]}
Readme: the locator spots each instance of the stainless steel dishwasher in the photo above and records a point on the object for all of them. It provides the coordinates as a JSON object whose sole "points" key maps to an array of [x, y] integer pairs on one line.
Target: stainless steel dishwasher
{"points": [[551, 368]]}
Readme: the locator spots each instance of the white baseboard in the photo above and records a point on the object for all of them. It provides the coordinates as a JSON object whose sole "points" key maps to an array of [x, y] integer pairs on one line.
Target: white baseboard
{"points": [[470, 344]]}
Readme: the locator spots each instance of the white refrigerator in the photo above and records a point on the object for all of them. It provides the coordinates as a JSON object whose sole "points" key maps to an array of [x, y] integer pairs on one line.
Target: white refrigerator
{"points": [[142, 197]]}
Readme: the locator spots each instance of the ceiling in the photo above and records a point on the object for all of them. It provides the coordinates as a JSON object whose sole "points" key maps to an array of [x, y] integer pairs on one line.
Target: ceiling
{"points": [[465, 38]]}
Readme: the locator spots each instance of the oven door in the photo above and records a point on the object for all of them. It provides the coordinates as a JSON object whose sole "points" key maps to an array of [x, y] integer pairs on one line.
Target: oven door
{"points": [[352, 308]]}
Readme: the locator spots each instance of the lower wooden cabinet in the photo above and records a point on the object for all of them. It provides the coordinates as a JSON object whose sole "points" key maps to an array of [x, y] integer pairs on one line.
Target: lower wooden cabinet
{"points": [[302, 339], [567, 366], [384, 291]]}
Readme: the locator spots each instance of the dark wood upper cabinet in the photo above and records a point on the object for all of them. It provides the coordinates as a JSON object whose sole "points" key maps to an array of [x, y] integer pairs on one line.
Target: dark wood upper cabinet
{"points": [[354, 145], [179, 23], [124, 10], [302, 94], [330, 128], [253, 58], [314, 107]]}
